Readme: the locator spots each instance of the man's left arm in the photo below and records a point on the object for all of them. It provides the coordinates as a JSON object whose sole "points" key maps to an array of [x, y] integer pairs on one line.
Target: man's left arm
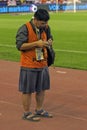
{"points": [[49, 35]]}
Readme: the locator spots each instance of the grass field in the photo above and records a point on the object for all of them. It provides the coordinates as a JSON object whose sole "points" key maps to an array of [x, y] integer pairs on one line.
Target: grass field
{"points": [[70, 37]]}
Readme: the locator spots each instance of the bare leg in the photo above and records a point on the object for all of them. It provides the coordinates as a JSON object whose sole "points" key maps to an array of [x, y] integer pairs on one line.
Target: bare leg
{"points": [[39, 100], [39, 110], [26, 100]]}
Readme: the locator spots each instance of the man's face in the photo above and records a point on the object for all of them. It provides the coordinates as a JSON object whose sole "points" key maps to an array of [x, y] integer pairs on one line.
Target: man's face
{"points": [[41, 24]]}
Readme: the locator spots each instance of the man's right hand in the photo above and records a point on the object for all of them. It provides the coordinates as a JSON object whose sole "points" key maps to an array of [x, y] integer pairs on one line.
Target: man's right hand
{"points": [[41, 43]]}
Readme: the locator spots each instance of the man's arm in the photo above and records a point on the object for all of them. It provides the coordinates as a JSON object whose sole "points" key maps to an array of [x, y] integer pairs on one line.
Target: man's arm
{"points": [[22, 40], [32, 45], [21, 36], [49, 35], [48, 32]]}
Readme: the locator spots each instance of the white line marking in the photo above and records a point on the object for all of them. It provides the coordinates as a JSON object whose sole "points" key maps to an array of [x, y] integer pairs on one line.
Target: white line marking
{"points": [[71, 51], [12, 46], [77, 96], [64, 115], [9, 84], [10, 103], [0, 114], [57, 50], [61, 72], [72, 117]]}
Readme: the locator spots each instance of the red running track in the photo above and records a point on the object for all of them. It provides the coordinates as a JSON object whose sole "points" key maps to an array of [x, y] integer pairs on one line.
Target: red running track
{"points": [[67, 100]]}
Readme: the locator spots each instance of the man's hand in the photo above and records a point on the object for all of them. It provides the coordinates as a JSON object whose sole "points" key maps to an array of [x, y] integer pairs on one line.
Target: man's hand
{"points": [[50, 41], [41, 43]]}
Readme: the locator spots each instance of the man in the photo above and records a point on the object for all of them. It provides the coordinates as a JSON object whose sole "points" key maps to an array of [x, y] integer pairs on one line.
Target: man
{"points": [[32, 39]]}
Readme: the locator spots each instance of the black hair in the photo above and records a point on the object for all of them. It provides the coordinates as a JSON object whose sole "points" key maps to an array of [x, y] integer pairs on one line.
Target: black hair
{"points": [[42, 15]]}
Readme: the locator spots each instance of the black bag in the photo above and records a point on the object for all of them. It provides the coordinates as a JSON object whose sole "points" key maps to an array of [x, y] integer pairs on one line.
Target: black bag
{"points": [[51, 55]]}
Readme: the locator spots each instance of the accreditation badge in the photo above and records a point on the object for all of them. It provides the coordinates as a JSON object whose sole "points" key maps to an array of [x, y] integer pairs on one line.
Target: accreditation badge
{"points": [[39, 54]]}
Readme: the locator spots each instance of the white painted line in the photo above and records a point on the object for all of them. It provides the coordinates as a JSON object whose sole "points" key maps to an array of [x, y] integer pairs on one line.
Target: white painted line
{"points": [[9, 84], [72, 117], [57, 50], [10, 103], [0, 114], [71, 51], [61, 72], [11, 46]]}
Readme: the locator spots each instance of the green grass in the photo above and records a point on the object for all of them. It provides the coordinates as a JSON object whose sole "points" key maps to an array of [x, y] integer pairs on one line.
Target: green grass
{"points": [[70, 37]]}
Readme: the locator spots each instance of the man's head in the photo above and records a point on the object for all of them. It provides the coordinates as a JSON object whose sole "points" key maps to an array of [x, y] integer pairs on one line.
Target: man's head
{"points": [[41, 18]]}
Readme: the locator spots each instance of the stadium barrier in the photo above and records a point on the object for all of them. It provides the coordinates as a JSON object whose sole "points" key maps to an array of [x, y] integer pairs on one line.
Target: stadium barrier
{"points": [[34, 7]]}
